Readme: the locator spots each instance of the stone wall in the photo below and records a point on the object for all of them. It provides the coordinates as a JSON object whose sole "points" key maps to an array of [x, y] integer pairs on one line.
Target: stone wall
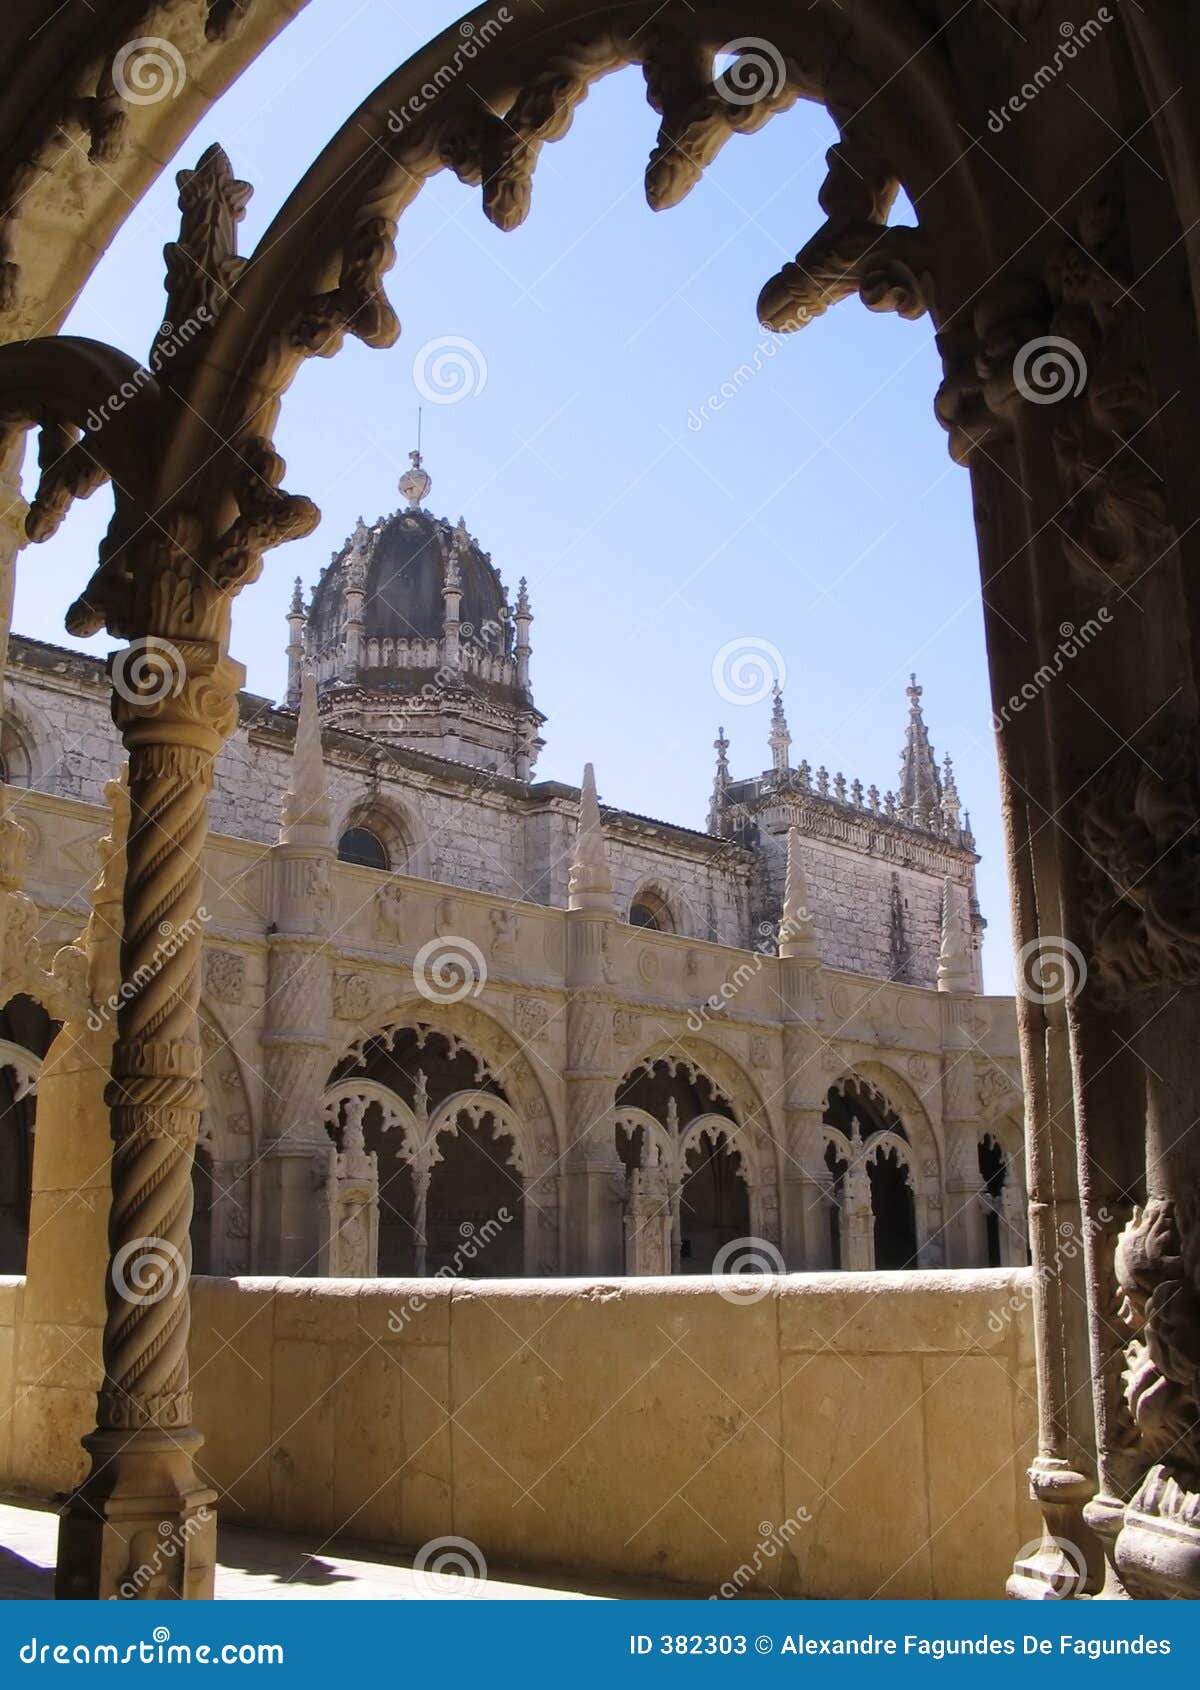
{"points": [[842, 1436]]}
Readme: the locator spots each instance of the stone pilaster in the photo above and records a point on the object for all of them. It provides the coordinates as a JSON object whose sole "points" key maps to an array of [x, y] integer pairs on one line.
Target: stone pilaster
{"points": [[296, 1041]]}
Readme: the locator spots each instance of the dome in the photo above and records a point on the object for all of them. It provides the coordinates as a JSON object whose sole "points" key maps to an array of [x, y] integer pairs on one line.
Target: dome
{"points": [[411, 639], [400, 563]]}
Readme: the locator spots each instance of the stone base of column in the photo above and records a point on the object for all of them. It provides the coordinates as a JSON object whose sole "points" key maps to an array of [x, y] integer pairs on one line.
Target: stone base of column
{"points": [[1158, 1549], [1106, 1515], [141, 1525], [1066, 1561], [291, 1184]]}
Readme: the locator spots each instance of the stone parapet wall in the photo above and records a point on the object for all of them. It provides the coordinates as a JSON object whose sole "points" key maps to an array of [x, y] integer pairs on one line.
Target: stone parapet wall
{"points": [[842, 1436]]}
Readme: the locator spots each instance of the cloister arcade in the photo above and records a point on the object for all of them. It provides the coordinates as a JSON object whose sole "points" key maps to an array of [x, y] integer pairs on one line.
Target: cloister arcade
{"points": [[1054, 226]]}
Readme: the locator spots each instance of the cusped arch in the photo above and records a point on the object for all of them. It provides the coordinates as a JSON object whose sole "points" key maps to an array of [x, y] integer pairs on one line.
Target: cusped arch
{"points": [[478, 1107], [892, 1091], [499, 1056]]}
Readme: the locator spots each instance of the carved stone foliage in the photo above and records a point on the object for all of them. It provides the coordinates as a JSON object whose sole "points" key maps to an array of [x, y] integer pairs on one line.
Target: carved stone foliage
{"points": [[1158, 1274], [530, 1016], [627, 1026], [854, 251], [225, 975], [1142, 859], [1115, 523]]}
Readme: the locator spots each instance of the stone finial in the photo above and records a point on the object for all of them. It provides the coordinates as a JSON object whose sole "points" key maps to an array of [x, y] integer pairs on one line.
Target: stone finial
{"points": [[920, 787], [297, 605], [523, 611], [717, 803], [779, 739], [950, 802], [415, 483], [797, 935], [590, 885], [954, 963], [305, 818]]}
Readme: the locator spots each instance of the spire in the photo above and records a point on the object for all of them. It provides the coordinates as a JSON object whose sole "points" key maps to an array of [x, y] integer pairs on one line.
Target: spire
{"points": [[590, 885], [950, 806], [780, 739], [415, 482], [797, 936], [920, 789], [954, 964], [716, 806], [295, 647], [305, 818]]}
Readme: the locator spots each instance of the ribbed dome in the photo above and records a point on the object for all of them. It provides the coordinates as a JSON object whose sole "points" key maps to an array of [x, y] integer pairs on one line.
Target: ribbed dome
{"points": [[405, 559]]}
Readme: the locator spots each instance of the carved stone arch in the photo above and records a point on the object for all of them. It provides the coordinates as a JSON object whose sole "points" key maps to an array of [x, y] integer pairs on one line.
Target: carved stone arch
{"points": [[399, 829], [893, 1091], [738, 1142], [396, 1112], [25, 1066], [492, 1044], [478, 1106]]}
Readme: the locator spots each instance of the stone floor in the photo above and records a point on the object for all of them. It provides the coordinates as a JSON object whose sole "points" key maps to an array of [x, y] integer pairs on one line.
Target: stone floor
{"points": [[253, 1565]]}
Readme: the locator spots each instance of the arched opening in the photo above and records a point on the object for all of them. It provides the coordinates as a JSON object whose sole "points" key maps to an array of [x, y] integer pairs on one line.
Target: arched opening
{"points": [[475, 1210], [894, 1208], [837, 1166], [714, 1206], [651, 909], [363, 846], [203, 1192], [25, 1024], [449, 1198], [993, 1170]]}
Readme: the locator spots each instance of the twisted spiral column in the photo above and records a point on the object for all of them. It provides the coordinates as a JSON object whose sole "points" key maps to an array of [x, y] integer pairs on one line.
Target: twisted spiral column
{"points": [[156, 1094]]}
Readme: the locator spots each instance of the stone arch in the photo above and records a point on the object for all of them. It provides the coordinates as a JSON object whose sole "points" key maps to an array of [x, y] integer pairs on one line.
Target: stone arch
{"points": [[30, 749], [747, 1128], [1001, 1150], [896, 1130], [497, 1049], [656, 907], [521, 1111], [228, 1138], [398, 828]]}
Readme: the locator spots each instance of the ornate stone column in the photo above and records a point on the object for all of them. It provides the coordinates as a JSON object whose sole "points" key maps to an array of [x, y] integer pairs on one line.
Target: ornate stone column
{"points": [[594, 1173], [174, 708], [297, 1038]]}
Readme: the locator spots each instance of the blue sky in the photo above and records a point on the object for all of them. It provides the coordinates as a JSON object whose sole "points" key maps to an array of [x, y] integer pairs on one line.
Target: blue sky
{"points": [[818, 509]]}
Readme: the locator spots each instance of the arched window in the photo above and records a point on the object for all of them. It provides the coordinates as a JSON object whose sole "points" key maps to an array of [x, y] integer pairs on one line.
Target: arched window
{"points": [[650, 909], [993, 1170], [360, 845]]}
